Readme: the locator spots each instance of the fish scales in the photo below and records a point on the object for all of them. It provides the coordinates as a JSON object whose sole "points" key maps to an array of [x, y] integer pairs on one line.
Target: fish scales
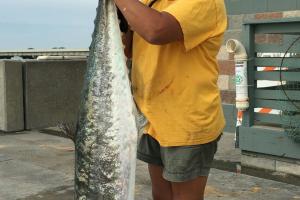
{"points": [[106, 135]]}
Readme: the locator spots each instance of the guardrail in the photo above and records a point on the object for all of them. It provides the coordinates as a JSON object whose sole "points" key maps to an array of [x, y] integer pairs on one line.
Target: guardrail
{"points": [[43, 52]]}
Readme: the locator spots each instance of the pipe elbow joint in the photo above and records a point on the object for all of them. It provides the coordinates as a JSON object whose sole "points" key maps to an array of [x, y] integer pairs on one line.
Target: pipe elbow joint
{"points": [[236, 47]]}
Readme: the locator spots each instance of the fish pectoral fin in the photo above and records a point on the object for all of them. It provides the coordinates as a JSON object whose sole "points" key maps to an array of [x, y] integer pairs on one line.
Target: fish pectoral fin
{"points": [[68, 130]]}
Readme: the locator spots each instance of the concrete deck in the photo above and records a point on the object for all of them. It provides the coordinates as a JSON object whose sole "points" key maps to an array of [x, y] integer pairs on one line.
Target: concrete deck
{"points": [[36, 166]]}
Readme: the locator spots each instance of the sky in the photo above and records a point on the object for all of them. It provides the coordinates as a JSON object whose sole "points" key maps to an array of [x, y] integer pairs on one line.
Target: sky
{"points": [[46, 23]]}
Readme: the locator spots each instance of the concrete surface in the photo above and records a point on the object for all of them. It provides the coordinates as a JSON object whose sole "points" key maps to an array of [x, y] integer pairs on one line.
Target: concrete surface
{"points": [[37, 166], [226, 151], [265, 166], [52, 92], [11, 96], [273, 163]]}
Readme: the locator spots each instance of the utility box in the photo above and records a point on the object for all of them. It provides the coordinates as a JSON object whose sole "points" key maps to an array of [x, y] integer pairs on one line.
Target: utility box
{"points": [[52, 91], [271, 126], [11, 96]]}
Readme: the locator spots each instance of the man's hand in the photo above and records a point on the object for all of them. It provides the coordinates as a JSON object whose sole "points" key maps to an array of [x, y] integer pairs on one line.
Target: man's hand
{"points": [[122, 22], [127, 41], [155, 27]]}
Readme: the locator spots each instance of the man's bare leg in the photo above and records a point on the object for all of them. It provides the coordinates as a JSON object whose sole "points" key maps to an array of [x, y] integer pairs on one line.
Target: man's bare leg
{"points": [[190, 190], [161, 188]]}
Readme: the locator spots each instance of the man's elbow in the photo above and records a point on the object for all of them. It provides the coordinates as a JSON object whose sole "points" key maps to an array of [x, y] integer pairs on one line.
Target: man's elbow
{"points": [[155, 36], [163, 31], [159, 36]]}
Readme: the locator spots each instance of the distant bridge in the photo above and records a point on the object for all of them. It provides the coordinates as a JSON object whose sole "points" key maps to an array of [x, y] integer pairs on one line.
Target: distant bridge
{"points": [[34, 53]]}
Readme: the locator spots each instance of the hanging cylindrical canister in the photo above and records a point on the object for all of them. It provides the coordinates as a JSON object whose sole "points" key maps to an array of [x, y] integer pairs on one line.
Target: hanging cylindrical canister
{"points": [[241, 82], [240, 58]]}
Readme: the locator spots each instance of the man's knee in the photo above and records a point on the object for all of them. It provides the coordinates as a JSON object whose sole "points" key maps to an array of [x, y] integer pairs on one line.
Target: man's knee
{"points": [[161, 195], [191, 190], [161, 188], [177, 196], [161, 192]]}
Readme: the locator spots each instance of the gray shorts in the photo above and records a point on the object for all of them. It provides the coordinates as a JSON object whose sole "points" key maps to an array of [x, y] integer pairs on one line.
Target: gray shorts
{"points": [[179, 164]]}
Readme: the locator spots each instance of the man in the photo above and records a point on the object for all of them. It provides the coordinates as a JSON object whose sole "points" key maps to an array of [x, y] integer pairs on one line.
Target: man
{"points": [[174, 80]]}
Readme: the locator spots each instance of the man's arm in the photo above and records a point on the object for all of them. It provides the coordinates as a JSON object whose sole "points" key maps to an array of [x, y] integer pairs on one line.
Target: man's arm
{"points": [[155, 27]]}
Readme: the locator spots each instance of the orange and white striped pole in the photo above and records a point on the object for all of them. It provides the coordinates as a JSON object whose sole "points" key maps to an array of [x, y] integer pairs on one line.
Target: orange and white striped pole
{"points": [[239, 121], [269, 110]]}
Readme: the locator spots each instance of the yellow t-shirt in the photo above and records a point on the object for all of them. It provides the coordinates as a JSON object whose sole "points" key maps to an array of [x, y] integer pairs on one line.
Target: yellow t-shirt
{"points": [[175, 85]]}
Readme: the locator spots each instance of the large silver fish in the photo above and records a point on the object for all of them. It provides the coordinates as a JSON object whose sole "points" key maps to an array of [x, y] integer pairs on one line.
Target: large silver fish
{"points": [[106, 135]]}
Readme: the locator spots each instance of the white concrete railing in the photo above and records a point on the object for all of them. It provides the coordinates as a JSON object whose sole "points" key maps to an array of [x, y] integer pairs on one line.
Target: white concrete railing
{"points": [[44, 52]]}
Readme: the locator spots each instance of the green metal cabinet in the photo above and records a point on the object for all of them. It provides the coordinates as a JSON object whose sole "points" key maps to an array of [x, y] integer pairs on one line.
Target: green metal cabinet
{"points": [[268, 133], [236, 7]]}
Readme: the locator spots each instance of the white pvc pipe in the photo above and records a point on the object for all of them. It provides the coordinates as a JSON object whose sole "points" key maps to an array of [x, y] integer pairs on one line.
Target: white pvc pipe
{"points": [[240, 58], [236, 47]]}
